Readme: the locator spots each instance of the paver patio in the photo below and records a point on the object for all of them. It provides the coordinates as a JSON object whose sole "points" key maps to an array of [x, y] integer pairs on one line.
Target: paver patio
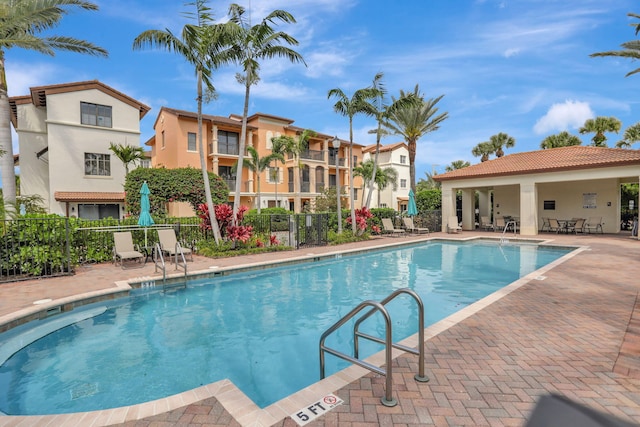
{"points": [[572, 331]]}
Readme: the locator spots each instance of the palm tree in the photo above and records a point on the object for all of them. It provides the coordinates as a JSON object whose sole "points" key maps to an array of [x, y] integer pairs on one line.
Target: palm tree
{"points": [[361, 102], [630, 49], [501, 140], [200, 45], [631, 136], [562, 139], [21, 21], [258, 164], [383, 177], [128, 154], [295, 146], [412, 121], [599, 126], [483, 150], [278, 146], [456, 164], [428, 183], [252, 44]]}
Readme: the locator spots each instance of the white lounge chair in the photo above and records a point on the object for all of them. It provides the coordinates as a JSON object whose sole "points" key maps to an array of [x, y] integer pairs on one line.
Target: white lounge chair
{"points": [[408, 225], [453, 226], [123, 249], [169, 244], [593, 223], [390, 229], [485, 224]]}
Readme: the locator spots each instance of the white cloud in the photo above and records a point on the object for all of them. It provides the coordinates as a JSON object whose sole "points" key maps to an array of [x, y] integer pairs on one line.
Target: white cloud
{"points": [[570, 114], [511, 52]]}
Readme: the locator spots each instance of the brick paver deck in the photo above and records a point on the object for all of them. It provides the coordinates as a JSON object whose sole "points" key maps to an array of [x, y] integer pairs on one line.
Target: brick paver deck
{"points": [[572, 331]]}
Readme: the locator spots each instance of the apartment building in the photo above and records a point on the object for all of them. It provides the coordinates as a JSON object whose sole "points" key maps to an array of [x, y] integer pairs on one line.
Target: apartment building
{"points": [[64, 132], [395, 156], [175, 144]]}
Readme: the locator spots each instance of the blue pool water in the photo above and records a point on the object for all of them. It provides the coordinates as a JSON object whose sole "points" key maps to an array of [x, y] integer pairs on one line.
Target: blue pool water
{"points": [[259, 329]]}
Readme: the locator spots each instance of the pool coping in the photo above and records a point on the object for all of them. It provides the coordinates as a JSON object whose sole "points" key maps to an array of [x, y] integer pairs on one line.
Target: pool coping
{"points": [[239, 406]]}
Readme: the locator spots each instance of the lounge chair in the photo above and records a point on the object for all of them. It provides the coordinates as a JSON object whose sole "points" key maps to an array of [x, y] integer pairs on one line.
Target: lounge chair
{"points": [[453, 226], [554, 225], [408, 225], [485, 224], [390, 229], [545, 224], [576, 226], [169, 244], [593, 223], [500, 224], [123, 249]]}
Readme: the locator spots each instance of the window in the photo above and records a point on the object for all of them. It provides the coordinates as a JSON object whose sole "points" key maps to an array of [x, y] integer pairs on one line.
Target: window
{"points": [[228, 142], [145, 163], [355, 160], [95, 115], [403, 159], [273, 175], [98, 211], [162, 139], [97, 164], [191, 141], [403, 183]]}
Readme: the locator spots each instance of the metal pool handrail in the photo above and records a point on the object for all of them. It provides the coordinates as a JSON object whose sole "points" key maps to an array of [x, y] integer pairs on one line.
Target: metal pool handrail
{"points": [[420, 376], [388, 399]]}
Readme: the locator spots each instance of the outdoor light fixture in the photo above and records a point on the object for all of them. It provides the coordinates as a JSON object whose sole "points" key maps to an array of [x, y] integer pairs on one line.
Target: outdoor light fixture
{"points": [[336, 145]]}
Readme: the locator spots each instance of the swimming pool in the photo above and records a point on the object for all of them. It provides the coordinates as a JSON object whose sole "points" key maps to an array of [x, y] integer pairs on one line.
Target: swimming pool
{"points": [[260, 329]]}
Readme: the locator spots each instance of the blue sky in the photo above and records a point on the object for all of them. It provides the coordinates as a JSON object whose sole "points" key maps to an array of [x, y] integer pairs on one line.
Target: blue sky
{"points": [[520, 67]]}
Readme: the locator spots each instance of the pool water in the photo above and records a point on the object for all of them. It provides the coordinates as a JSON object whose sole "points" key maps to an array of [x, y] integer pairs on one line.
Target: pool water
{"points": [[260, 329]]}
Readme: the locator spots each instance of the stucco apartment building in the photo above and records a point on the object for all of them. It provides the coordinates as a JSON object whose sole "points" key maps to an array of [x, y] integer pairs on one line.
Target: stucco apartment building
{"points": [[394, 156], [64, 132], [175, 144]]}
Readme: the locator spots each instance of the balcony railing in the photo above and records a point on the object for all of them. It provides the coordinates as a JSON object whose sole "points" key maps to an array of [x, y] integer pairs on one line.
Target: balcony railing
{"points": [[312, 155], [228, 151], [332, 160]]}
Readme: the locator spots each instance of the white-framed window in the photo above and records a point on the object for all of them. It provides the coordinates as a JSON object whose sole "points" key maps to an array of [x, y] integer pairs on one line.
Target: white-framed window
{"points": [[145, 163], [96, 164], [191, 141], [273, 175], [403, 183], [95, 114], [403, 160]]}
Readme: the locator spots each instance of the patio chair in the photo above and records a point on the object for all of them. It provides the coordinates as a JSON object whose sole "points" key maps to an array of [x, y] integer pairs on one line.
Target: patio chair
{"points": [[545, 224], [169, 244], [453, 226], [593, 223], [390, 229], [124, 250], [576, 226], [500, 223], [554, 225], [485, 224], [408, 225]]}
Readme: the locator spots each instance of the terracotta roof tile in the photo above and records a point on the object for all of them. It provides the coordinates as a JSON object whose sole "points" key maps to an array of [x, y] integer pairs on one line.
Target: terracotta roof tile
{"points": [[550, 160], [390, 147], [82, 196]]}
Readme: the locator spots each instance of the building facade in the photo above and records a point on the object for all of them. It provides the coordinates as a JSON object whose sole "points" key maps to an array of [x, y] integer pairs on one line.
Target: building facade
{"points": [[394, 156], [64, 133], [175, 144]]}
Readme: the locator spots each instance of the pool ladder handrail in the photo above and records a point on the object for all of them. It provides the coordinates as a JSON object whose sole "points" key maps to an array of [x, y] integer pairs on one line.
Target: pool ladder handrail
{"points": [[183, 264], [513, 223], [388, 399], [159, 263]]}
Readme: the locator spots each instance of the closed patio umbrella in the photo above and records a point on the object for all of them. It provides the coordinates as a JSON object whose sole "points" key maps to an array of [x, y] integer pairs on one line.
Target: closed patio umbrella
{"points": [[145, 219], [412, 209]]}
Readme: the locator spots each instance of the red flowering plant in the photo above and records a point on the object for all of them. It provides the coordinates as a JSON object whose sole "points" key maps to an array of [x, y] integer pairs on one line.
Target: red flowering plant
{"points": [[362, 217], [224, 215], [273, 240]]}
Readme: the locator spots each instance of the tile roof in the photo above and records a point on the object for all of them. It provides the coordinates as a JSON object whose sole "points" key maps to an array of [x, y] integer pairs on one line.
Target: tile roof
{"points": [[88, 196], [551, 160], [389, 147], [206, 117]]}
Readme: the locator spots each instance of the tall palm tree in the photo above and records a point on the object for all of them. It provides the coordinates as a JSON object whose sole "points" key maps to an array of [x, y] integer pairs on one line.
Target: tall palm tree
{"points": [[412, 121], [630, 137], [383, 177], [483, 150], [428, 183], [251, 45], [258, 164], [278, 146], [629, 49], [361, 102], [598, 127], [128, 154], [200, 45], [562, 139], [379, 103], [501, 140], [21, 22]]}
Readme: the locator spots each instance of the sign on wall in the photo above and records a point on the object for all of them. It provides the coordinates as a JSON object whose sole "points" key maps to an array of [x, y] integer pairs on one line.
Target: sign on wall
{"points": [[589, 200]]}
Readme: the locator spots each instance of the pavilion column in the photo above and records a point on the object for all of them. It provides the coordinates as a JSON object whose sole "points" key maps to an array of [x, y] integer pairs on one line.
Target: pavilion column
{"points": [[448, 204], [528, 209], [484, 203], [468, 209]]}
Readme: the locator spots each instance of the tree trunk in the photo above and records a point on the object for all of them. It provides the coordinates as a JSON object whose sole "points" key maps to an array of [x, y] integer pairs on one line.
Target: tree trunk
{"points": [[6, 160], [354, 226], [243, 144], [375, 168], [203, 165], [411, 144]]}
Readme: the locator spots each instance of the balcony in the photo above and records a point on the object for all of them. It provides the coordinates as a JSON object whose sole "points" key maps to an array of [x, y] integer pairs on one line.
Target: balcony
{"points": [[332, 160], [316, 155], [226, 150]]}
